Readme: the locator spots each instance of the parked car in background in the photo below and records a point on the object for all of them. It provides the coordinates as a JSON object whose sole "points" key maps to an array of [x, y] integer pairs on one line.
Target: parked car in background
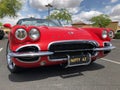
{"points": [[40, 42], [1, 34], [4, 31], [117, 34], [117, 31]]}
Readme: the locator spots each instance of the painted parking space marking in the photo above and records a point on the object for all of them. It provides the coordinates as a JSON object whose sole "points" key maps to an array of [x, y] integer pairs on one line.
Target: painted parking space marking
{"points": [[1, 49], [110, 61]]}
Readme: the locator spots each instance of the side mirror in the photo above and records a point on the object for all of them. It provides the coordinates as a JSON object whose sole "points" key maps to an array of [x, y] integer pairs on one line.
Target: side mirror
{"points": [[7, 25]]}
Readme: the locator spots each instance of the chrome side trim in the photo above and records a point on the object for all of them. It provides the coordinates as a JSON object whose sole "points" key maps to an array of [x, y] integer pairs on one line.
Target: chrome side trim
{"points": [[30, 54]]}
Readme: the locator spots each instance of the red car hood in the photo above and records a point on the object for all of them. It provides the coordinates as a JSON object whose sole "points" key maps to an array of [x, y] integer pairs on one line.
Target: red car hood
{"points": [[50, 34]]}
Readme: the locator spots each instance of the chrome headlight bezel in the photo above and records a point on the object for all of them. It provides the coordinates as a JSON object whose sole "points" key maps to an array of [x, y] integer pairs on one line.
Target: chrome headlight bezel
{"points": [[21, 34], [111, 34], [34, 34], [104, 34]]}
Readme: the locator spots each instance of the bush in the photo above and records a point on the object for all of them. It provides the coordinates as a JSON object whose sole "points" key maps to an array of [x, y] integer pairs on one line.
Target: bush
{"points": [[117, 35]]}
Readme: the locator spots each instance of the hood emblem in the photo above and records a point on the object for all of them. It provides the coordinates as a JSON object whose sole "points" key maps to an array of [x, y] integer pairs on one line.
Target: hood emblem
{"points": [[70, 33]]}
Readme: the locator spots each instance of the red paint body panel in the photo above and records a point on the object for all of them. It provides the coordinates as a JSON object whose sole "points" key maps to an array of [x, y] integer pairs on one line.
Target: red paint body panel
{"points": [[53, 34]]}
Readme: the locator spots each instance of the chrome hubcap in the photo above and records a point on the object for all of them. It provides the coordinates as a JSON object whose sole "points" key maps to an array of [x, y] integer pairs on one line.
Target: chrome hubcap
{"points": [[11, 64]]}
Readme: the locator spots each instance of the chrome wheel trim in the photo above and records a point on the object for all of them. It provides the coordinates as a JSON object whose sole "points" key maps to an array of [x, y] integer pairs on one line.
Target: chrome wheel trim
{"points": [[10, 63]]}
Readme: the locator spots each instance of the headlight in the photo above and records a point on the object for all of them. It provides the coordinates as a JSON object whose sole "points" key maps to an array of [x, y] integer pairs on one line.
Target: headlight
{"points": [[20, 34], [34, 34], [111, 34], [104, 34]]}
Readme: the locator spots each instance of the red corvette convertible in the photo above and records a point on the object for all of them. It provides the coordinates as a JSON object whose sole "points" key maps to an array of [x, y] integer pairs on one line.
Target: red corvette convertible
{"points": [[40, 42]]}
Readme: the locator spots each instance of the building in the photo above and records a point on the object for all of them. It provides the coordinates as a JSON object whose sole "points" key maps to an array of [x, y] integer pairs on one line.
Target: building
{"points": [[113, 25], [81, 24]]}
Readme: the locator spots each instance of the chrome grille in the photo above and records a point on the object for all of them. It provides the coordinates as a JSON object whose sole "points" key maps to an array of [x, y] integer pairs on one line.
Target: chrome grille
{"points": [[62, 49], [72, 46]]}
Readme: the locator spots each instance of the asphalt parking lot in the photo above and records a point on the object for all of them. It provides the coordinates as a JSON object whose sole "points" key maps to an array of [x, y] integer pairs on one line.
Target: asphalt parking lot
{"points": [[104, 74]]}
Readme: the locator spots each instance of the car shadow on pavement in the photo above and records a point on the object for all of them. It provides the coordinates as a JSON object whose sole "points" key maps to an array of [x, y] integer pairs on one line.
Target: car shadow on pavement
{"points": [[52, 71]]}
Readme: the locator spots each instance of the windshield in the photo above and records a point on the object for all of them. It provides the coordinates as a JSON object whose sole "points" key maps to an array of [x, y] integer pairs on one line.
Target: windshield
{"points": [[39, 22]]}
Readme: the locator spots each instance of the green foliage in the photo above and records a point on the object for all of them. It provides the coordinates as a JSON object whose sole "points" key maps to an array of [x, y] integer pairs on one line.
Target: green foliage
{"points": [[9, 7], [1, 24], [61, 14], [117, 36], [101, 20]]}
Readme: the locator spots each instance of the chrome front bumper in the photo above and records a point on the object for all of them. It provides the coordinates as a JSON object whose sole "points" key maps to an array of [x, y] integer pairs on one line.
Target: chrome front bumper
{"points": [[30, 54], [47, 53], [104, 48]]}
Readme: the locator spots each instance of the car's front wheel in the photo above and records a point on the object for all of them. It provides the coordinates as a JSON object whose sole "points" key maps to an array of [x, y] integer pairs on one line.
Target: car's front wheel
{"points": [[10, 64]]}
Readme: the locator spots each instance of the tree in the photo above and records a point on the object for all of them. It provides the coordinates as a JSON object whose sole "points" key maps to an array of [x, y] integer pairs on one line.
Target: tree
{"points": [[101, 20], [9, 7], [62, 14], [0, 24]]}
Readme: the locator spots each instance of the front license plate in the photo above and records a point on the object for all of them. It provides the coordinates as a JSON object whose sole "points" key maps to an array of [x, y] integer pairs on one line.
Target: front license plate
{"points": [[79, 60]]}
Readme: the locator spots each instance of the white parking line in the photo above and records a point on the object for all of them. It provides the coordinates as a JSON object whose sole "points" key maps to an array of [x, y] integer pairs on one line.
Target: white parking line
{"points": [[111, 61], [1, 49]]}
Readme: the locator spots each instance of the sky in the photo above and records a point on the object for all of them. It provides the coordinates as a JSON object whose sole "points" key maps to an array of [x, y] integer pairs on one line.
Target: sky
{"points": [[81, 10]]}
